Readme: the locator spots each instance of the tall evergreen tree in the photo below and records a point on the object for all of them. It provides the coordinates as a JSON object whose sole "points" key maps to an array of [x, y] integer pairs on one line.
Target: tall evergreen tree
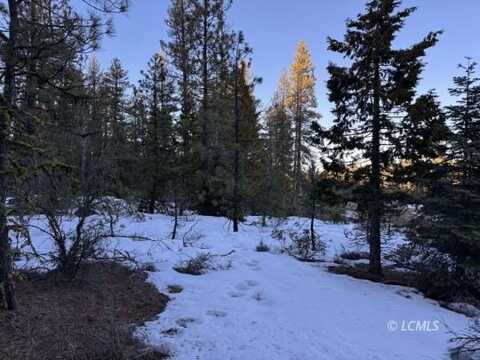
{"points": [[115, 85], [465, 119], [182, 24], [213, 50], [239, 83], [448, 224], [423, 136], [252, 151], [158, 89], [379, 81], [302, 103], [279, 145]]}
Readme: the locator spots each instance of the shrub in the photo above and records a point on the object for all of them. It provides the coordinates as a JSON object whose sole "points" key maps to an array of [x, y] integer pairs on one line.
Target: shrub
{"points": [[467, 342], [303, 247], [437, 276], [262, 247], [354, 255], [174, 289], [280, 235], [194, 266]]}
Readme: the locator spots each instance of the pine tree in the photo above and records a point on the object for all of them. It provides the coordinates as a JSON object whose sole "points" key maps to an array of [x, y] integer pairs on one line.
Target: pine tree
{"points": [[423, 134], [449, 222], [301, 103], [214, 45], [465, 119], [182, 25], [240, 102], [138, 137], [251, 146], [379, 81], [158, 88], [114, 91], [279, 147]]}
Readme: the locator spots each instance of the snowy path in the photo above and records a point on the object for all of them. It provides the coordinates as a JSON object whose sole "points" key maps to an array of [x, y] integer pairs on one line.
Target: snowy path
{"points": [[271, 306]]}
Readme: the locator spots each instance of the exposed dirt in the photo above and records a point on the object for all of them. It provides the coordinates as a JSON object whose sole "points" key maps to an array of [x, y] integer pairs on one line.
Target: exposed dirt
{"points": [[92, 318]]}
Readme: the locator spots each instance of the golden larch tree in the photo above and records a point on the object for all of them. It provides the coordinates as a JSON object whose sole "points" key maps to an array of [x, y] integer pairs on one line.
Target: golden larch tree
{"points": [[301, 105]]}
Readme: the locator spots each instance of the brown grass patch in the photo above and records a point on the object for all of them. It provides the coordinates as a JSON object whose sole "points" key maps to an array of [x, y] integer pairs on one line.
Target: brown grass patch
{"points": [[92, 318], [389, 277], [174, 289]]}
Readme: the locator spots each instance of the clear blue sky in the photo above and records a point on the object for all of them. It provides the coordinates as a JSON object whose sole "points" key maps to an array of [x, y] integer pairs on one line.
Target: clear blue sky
{"points": [[273, 27]]}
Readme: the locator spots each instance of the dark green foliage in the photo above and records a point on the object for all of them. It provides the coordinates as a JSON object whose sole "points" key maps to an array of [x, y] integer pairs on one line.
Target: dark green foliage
{"points": [[379, 81], [423, 137], [158, 163], [114, 101], [449, 221], [42, 45]]}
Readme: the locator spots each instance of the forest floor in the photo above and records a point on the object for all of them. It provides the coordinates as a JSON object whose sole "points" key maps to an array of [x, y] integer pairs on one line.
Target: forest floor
{"points": [[93, 317], [247, 304]]}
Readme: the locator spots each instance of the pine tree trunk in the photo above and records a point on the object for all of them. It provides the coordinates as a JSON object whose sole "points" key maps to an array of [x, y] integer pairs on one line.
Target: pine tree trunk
{"points": [[236, 161], [205, 155], [297, 157], [374, 220], [155, 147], [7, 289], [30, 82], [313, 208], [152, 200], [312, 229], [175, 213], [186, 108]]}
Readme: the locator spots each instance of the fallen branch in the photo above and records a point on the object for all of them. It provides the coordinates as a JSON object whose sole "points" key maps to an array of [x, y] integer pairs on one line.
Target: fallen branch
{"points": [[138, 238], [222, 255]]}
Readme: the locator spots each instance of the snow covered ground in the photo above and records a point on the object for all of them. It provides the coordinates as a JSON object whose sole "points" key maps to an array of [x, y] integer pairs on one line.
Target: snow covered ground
{"points": [[268, 305]]}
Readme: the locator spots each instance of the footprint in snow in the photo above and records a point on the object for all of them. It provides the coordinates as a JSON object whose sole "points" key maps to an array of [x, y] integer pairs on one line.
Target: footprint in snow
{"points": [[216, 313], [241, 287], [172, 332], [184, 322], [253, 263], [244, 286], [235, 294]]}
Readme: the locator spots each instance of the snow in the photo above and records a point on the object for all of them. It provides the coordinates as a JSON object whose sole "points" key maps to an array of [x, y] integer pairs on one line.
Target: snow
{"points": [[268, 305]]}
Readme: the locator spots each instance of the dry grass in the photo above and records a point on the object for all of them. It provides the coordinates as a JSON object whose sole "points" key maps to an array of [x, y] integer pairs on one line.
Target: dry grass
{"points": [[262, 247], [354, 255], [92, 318], [196, 265], [174, 289], [389, 277]]}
